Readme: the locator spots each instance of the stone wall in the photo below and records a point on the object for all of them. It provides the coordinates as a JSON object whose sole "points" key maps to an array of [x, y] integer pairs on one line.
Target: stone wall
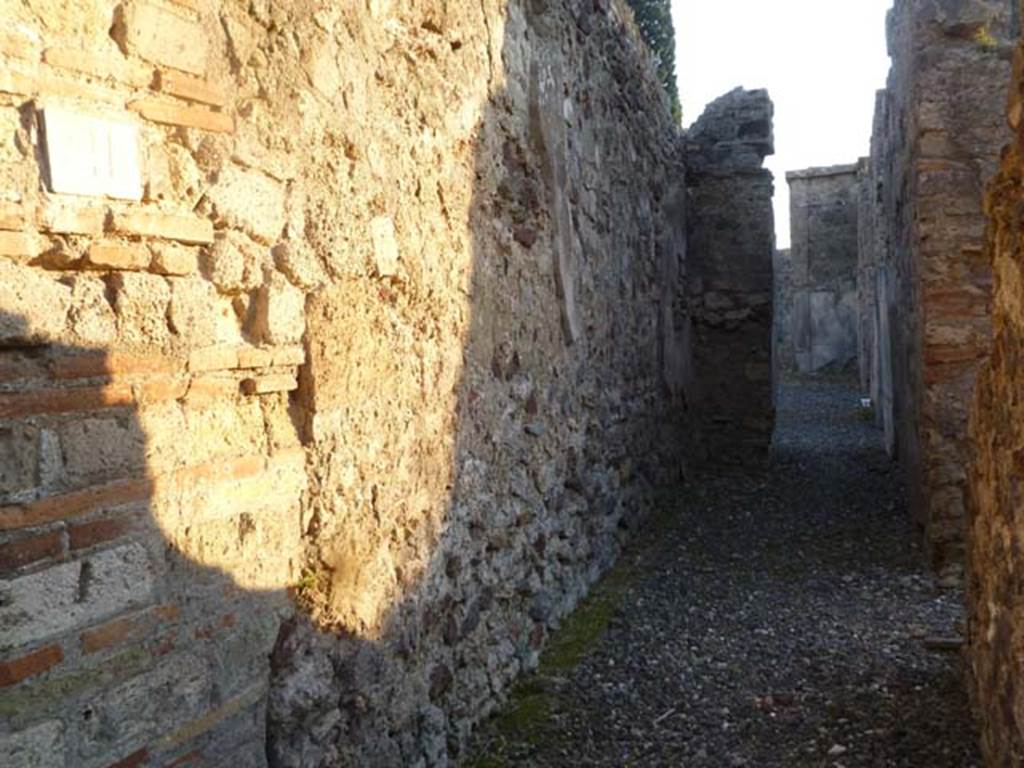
{"points": [[731, 245], [936, 144], [821, 303], [340, 346], [996, 470]]}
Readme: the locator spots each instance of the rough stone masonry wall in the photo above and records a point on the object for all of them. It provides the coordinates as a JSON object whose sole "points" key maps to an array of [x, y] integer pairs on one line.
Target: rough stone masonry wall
{"points": [[934, 151], [303, 452], [996, 563], [822, 300], [731, 245]]}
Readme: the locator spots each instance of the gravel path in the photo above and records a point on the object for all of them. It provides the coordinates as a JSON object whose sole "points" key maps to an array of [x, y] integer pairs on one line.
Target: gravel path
{"points": [[782, 618]]}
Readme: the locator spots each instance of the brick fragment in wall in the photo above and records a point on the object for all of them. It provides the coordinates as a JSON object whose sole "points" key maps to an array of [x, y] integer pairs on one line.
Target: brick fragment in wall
{"points": [[168, 113], [264, 385], [158, 34], [117, 256], [190, 88], [101, 65], [146, 223]]}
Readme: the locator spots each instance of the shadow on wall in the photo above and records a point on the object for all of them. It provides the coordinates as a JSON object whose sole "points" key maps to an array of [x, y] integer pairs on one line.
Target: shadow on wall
{"points": [[461, 509], [476, 430]]}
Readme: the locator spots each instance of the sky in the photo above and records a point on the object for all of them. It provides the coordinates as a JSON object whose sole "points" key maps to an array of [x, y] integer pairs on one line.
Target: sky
{"points": [[821, 60]]}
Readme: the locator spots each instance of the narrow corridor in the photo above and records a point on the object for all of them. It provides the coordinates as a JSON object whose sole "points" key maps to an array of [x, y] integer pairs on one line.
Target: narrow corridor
{"points": [[778, 617]]}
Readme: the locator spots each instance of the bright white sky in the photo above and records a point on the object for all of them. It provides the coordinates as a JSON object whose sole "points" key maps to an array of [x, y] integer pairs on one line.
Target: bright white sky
{"points": [[821, 61]]}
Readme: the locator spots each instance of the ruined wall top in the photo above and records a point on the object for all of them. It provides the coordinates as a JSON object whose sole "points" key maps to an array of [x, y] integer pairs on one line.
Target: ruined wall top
{"points": [[734, 133], [817, 173]]}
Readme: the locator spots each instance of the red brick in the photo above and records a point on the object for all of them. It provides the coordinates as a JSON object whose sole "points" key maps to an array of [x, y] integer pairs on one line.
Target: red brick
{"points": [[265, 385], [188, 760], [18, 45], [133, 760], [18, 554], [12, 217], [21, 404], [95, 532], [117, 256], [68, 220], [191, 88], [69, 505], [113, 633], [35, 663], [20, 246], [169, 612], [255, 357], [161, 390], [112, 364], [213, 359], [167, 113], [289, 356], [186, 229], [100, 65]]}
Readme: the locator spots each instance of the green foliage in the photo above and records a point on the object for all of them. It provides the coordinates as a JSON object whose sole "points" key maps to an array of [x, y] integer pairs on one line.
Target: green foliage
{"points": [[654, 17]]}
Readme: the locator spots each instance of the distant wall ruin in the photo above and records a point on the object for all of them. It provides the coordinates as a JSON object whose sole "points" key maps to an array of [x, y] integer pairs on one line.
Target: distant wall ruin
{"points": [[731, 244], [818, 328]]}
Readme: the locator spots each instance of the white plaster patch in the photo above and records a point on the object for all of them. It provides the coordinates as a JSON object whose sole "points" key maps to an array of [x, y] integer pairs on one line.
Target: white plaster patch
{"points": [[89, 155]]}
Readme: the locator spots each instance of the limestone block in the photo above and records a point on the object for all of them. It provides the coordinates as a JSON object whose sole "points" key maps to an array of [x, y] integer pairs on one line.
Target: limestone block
{"points": [[235, 263], [193, 311], [250, 201], [172, 259], [141, 303], [33, 305], [74, 594], [172, 175], [41, 746], [158, 701], [158, 34], [101, 449], [91, 318], [19, 459], [280, 313], [385, 246]]}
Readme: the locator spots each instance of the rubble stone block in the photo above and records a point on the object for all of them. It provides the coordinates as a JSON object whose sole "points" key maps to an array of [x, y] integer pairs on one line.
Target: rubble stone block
{"points": [[141, 302], [44, 604], [162, 36], [40, 746]]}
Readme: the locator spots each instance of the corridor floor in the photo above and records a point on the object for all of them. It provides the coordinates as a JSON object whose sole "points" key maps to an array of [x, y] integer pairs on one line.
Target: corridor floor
{"points": [[774, 617]]}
